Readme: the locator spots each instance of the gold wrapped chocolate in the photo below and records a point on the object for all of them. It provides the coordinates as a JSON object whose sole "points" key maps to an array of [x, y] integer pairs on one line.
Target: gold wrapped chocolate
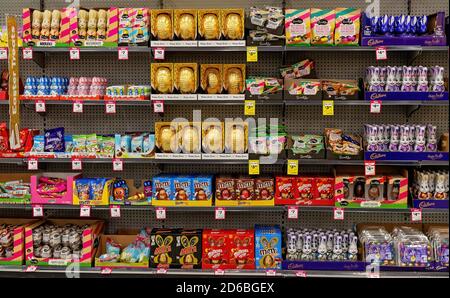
{"points": [[167, 139], [185, 23], [211, 78], [162, 77], [234, 77], [162, 25], [212, 137], [186, 77], [233, 23], [238, 140], [190, 139], [209, 24]]}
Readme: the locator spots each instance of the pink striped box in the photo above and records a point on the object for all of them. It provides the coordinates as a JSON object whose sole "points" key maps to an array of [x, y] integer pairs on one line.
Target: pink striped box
{"points": [[89, 243], [66, 199], [18, 239]]}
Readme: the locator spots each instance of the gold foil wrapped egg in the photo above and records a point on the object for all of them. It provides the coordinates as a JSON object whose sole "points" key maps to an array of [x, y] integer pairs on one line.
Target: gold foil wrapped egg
{"points": [[187, 26], [238, 140], [233, 26], [213, 140], [213, 86], [186, 80], [190, 139], [211, 26], [167, 139], [164, 27], [234, 81], [164, 80]]}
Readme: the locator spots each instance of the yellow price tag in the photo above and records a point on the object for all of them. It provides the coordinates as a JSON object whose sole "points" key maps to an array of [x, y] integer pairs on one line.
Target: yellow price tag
{"points": [[253, 167], [292, 167], [250, 108], [252, 54], [328, 107]]}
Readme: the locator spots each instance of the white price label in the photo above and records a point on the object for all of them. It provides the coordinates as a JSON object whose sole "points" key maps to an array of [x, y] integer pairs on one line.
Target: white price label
{"points": [[77, 107], [117, 165], [219, 213], [77, 165], [3, 53], [161, 271], [85, 211], [293, 212], [219, 272], [123, 53], [110, 107], [158, 106], [271, 273], [416, 214], [338, 213], [27, 53], [375, 106], [160, 213], [369, 168], [381, 53], [32, 164], [40, 106], [74, 53], [300, 273], [159, 54], [106, 271], [38, 211], [114, 211], [31, 269]]}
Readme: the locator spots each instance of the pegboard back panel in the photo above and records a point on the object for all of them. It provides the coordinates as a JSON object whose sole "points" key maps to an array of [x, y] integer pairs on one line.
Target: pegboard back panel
{"points": [[419, 7], [52, 4], [385, 7], [9, 7]]}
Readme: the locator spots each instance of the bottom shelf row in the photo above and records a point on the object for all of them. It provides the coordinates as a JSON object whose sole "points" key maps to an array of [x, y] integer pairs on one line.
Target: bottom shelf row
{"points": [[61, 242]]}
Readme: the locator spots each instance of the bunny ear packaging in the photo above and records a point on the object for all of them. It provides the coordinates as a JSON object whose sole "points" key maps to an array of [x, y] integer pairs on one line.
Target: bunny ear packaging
{"points": [[188, 249], [268, 247], [162, 248]]}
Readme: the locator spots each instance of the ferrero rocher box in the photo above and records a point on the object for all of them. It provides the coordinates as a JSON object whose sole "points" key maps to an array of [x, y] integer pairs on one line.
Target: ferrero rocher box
{"points": [[185, 23], [166, 136], [190, 134], [233, 20], [213, 137], [211, 80], [236, 137], [186, 77], [162, 24], [162, 77], [234, 78], [209, 24]]}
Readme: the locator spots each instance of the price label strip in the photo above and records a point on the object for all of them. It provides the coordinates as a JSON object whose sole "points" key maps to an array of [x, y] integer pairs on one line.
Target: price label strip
{"points": [[293, 212], [250, 108], [328, 107], [369, 168], [252, 54], [375, 106], [160, 213], [338, 213], [253, 167], [219, 213], [292, 167], [381, 53]]}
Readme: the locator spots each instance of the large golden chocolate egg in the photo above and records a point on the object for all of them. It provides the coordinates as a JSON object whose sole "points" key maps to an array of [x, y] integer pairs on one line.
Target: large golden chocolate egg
{"points": [[233, 26], [187, 26], [211, 26], [168, 140], [213, 83], [163, 80], [190, 139], [186, 80], [164, 27], [213, 140], [234, 81], [238, 140]]}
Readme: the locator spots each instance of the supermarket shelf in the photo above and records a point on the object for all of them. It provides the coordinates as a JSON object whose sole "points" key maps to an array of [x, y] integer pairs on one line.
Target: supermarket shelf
{"points": [[240, 102], [19, 271], [367, 49], [329, 162], [92, 50]]}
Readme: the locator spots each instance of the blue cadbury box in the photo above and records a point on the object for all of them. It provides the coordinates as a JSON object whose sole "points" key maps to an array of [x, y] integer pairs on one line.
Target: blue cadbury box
{"points": [[182, 188], [268, 247], [202, 186], [163, 188]]}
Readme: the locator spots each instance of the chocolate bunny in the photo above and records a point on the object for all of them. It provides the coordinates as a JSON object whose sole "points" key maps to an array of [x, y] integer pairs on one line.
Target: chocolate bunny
{"points": [[190, 247], [163, 257]]}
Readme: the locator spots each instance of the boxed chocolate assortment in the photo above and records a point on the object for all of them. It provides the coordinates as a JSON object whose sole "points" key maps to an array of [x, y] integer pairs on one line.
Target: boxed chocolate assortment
{"points": [[178, 140], [268, 247], [12, 240], [130, 192], [134, 26], [188, 249], [304, 191], [162, 248], [265, 26], [209, 24], [306, 146], [244, 191], [185, 78], [342, 146], [185, 24], [162, 24], [162, 78], [15, 188], [430, 189]]}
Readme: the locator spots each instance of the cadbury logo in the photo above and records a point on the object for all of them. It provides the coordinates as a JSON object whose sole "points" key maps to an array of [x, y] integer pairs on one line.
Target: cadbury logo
{"points": [[377, 155], [426, 204], [373, 42], [377, 95], [436, 95]]}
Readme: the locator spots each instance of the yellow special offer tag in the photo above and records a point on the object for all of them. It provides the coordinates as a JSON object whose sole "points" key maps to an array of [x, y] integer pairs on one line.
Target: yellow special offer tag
{"points": [[250, 108], [252, 54], [328, 107], [292, 167], [253, 167]]}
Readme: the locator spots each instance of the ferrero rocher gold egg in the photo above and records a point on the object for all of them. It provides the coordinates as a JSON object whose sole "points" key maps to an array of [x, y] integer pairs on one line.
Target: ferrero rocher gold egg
{"points": [[186, 80], [163, 80], [213, 140], [187, 26], [238, 140], [213, 83], [211, 26], [233, 26], [234, 81], [167, 139], [163, 27], [190, 139]]}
